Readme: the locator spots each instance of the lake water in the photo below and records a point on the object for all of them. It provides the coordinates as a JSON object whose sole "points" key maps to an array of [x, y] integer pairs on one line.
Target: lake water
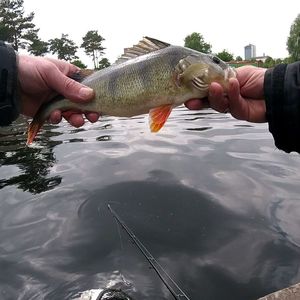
{"points": [[210, 197]]}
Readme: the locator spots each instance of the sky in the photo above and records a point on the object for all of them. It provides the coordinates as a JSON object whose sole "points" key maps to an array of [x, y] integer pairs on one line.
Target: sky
{"points": [[229, 25]]}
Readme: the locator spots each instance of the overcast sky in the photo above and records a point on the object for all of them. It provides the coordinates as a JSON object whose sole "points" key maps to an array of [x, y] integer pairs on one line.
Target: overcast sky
{"points": [[230, 24]]}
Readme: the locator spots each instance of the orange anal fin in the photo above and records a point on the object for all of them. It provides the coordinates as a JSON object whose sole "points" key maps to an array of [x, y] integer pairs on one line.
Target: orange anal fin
{"points": [[32, 131], [158, 117]]}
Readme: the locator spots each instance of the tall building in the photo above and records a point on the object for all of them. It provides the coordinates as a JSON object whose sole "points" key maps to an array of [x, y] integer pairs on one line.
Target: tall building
{"points": [[250, 52]]}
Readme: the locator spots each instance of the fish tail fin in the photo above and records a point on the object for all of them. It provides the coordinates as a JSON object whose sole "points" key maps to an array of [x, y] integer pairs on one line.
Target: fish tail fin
{"points": [[34, 128], [43, 114]]}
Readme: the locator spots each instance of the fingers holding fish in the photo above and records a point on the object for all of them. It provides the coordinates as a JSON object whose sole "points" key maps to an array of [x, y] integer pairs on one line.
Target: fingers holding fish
{"points": [[197, 104], [65, 67], [151, 77], [68, 87], [217, 98], [75, 118], [55, 117], [243, 108], [92, 116]]}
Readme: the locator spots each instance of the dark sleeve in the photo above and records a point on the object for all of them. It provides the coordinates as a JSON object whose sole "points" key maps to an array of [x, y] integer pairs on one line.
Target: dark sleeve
{"points": [[9, 104], [282, 95]]}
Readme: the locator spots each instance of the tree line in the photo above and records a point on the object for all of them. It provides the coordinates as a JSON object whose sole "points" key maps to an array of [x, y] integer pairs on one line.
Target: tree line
{"points": [[18, 29], [196, 41]]}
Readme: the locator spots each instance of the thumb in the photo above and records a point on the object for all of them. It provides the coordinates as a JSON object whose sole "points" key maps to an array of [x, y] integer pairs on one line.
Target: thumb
{"points": [[68, 87]]}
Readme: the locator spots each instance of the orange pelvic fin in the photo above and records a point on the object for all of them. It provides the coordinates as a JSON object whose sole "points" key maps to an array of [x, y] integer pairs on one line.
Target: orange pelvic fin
{"points": [[158, 117]]}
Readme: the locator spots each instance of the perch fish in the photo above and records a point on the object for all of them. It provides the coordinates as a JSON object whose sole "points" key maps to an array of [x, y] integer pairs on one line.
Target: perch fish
{"points": [[151, 77]]}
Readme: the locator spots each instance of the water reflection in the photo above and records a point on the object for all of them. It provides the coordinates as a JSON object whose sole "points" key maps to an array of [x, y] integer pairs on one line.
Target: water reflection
{"points": [[33, 163], [210, 197], [198, 242]]}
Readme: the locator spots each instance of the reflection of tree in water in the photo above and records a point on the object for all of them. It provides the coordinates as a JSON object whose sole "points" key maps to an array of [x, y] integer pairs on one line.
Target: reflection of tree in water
{"points": [[33, 163]]}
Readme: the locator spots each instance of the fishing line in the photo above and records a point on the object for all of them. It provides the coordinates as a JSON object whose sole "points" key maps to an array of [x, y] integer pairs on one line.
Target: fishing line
{"points": [[152, 261]]}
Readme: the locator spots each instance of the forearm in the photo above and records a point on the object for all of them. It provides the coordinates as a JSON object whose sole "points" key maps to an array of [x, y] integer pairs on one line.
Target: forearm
{"points": [[282, 95], [9, 103]]}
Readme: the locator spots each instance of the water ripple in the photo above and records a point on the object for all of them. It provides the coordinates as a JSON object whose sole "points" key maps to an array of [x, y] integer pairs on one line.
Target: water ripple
{"points": [[212, 198]]}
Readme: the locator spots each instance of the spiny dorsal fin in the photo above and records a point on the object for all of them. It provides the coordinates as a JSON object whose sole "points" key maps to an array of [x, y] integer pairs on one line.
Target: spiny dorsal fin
{"points": [[145, 46]]}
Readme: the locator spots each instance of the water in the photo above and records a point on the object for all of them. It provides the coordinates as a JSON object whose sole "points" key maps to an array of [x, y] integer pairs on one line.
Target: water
{"points": [[211, 198]]}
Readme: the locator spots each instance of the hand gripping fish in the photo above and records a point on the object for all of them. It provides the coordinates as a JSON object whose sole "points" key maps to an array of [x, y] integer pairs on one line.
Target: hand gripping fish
{"points": [[151, 77]]}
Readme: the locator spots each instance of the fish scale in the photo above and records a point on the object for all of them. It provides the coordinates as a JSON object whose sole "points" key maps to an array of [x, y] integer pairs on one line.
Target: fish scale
{"points": [[153, 82]]}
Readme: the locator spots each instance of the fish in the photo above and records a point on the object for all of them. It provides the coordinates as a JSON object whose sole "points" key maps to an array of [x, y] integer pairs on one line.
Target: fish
{"points": [[150, 77]]}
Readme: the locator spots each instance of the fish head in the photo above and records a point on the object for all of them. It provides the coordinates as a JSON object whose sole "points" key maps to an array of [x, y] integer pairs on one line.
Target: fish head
{"points": [[197, 71]]}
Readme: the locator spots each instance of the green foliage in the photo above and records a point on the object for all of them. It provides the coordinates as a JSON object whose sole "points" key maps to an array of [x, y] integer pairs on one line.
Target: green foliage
{"points": [[14, 25], [92, 44], [79, 64], [36, 46], [287, 60], [103, 63], [225, 55], [196, 41], [293, 41], [269, 62], [238, 58], [64, 48]]}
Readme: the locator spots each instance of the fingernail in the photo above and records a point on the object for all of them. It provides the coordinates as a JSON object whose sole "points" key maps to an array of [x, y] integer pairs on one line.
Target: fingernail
{"points": [[85, 92]]}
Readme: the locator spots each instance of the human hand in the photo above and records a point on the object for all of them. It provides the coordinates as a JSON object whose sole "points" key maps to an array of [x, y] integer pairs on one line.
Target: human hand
{"points": [[41, 79], [244, 98]]}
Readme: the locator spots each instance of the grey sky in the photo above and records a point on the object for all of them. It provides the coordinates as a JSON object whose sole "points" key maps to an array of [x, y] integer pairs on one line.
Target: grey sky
{"points": [[229, 25]]}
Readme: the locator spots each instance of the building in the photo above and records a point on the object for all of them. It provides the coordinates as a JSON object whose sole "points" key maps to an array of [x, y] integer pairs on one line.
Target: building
{"points": [[261, 58], [250, 52], [236, 64]]}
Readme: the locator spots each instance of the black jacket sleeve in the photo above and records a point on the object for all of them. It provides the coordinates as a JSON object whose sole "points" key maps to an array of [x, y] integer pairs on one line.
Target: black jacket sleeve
{"points": [[282, 95], [9, 104]]}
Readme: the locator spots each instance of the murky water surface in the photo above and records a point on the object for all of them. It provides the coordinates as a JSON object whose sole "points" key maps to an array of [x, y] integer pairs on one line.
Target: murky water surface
{"points": [[210, 197]]}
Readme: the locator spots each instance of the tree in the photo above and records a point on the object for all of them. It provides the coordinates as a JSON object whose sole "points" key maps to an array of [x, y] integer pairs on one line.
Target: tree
{"points": [[92, 44], [269, 62], [225, 55], [196, 41], [64, 47], [14, 25], [238, 58], [293, 41], [286, 60], [103, 63], [79, 64], [36, 46]]}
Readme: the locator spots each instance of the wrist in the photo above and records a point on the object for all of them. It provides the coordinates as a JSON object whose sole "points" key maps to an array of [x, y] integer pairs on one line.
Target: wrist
{"points": [[9, 102]]}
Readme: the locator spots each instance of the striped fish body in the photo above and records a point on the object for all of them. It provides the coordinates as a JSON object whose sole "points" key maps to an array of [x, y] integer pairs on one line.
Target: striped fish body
{"points": [[150, 77], [143, 83]]}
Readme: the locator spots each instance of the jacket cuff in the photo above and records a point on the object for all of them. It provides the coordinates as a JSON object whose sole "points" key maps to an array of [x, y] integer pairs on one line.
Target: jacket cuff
{"points": [[283, 106], [9, 102]]}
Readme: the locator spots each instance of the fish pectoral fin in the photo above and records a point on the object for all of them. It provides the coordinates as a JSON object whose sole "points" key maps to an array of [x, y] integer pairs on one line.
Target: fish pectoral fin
{"points": [[158, 117]]}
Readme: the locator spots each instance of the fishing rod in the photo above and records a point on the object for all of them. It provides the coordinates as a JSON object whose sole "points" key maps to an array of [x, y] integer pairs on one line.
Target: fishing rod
{"points": [[152, 261]]}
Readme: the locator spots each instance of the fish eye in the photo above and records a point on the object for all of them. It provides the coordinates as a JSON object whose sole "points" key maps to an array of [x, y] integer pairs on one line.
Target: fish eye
{"points": [[216, 59]]}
